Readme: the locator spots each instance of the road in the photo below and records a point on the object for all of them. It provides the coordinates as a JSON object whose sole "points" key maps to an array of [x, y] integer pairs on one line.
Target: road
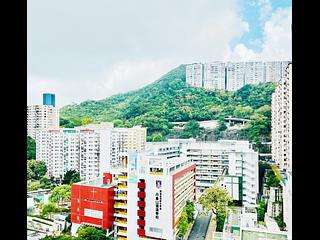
{"points": [[200, 227]]}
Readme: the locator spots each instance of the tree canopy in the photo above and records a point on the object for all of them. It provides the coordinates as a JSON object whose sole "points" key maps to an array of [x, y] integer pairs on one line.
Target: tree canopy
{"points": [[71, 176], [92, 233], [216, 200], [36, 169], [60, 194]]}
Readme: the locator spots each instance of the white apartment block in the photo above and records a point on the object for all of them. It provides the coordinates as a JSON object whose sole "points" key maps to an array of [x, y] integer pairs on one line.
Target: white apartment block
{"points": [[235, 76], [274, 69], [41, 117], [211, 158], [281, 125], [254, 73], [232, 76], [214, 75], [281, 132], [91, 150], [194, 74]]}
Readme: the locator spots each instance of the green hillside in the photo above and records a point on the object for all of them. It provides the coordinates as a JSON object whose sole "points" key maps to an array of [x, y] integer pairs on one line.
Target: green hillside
{"points": [[170, 100]]}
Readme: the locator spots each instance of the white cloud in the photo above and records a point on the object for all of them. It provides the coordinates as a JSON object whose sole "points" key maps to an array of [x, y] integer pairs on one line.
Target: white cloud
{"points": [[120, 77], [265, 9], [92, 51], [276, 40]]}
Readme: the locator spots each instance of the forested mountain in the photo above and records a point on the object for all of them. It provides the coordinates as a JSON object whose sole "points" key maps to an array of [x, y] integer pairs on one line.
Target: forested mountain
{"points": [[170, 100]]}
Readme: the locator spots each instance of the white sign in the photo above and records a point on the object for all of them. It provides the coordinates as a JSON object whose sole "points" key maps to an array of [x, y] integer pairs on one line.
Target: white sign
{"points": [[93, 213]]}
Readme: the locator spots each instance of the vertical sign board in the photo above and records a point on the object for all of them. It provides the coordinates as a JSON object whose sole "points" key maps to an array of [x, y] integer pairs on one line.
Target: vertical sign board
{"points": [[132, 173]]}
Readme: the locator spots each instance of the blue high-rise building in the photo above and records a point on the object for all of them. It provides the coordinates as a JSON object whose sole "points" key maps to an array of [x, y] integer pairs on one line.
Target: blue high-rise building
{"points": [[49, 99]]}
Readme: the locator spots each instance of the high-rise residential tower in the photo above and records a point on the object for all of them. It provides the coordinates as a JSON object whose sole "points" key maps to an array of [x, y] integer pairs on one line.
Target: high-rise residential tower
{"points": [[232, 76], [44, 116], [49, 99]]}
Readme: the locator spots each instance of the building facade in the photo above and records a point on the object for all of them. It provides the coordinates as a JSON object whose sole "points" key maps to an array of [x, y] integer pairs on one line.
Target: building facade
{"points": [[41, 117], [231, 76], [214, 75], [145, 188], [212, 158], [281, 131], [89, 150], [281, 125], [194, 74]]}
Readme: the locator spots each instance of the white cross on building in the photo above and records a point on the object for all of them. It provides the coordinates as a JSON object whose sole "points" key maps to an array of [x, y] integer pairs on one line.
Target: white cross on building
{"points": [[93, 191]]}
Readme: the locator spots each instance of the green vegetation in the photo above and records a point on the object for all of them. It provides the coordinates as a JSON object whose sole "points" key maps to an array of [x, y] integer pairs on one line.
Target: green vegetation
{"points": [[261, 209], [190, 210], [92, 233], [271, 179], [71, 176], [263, 166], [220, 218], [60, 194], [191, 130], [31, 148], [61, 237], [280, 222], [36, 169], [186, 218], [48, 209], [170, 100], [183, 224], [218, 201]]}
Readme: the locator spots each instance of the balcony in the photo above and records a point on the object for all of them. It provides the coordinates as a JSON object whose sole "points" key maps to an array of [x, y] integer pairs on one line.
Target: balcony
{"points": [[122, 214], [141, 213], [141, 194], [141, 185], [141, 222], [122, 232], [120, 222], [122, 186], [120, 205], [141, 204]]}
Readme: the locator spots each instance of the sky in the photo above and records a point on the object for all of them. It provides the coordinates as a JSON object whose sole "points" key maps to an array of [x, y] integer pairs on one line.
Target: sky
{"points": [[82, 49]]}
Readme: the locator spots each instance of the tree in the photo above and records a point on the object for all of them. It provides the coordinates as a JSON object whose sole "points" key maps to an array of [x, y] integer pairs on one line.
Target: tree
{"points": [[222, 126], [31, 148], [60, 194], [157, 137], [38, 168], [220, 219], [92, 233], [48, 209], [30, 174], [215, 199], [243, 112], [261, 209], [192, 128], [86, 120], [61, 237], [44, 180], [272, 180], [183, 223], [71, 176], [190, 210]]}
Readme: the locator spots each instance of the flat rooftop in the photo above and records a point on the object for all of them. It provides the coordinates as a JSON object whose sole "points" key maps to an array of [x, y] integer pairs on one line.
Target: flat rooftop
{"points": [[96, 182]]}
